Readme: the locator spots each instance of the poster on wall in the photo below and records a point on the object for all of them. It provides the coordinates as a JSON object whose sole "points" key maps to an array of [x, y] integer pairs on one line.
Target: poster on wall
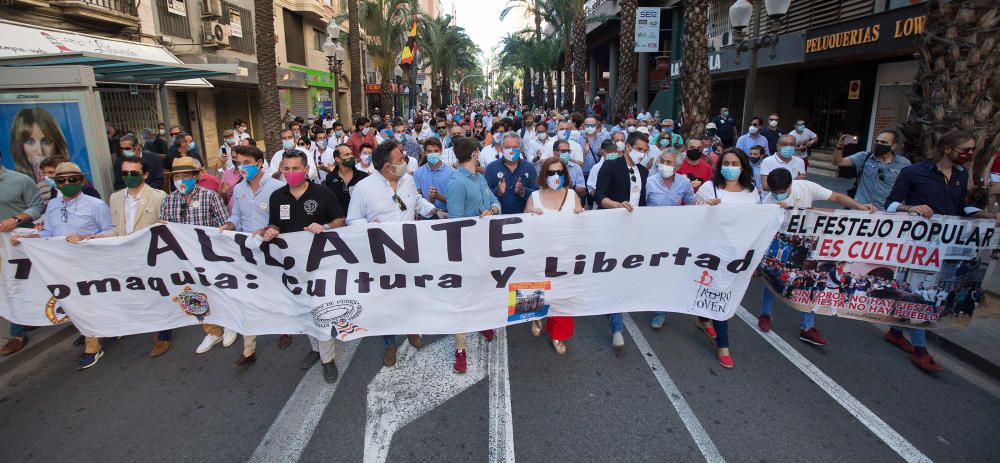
{"points": [[896, 269], [235, 26], [177, 7], [36, 126], [647, 29]]}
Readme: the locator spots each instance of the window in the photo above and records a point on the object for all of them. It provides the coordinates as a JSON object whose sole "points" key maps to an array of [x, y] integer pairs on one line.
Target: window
{"points": [[319, 38], [241, 29], [173, 18], [294, 39]]}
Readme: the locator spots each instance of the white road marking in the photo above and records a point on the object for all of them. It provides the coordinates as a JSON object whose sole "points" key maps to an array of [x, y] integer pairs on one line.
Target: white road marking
{"points": [[423, 380], [293, 428], [698, 433], [880, 428]]}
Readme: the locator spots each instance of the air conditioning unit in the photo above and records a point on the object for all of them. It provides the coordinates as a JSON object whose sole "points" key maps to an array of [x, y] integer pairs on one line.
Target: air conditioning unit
{"points": [[215, 34], [727, 38], [211, 8], [715, 43]]}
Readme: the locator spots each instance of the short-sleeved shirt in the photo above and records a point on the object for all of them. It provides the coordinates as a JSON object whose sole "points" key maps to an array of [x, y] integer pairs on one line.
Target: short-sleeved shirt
{"points": [[426, 177], [469, 194], [702, 171], [876, 178], [795, 165], [802, 194], [800, 137], [316, 205], [725, 127], [708, 191]]}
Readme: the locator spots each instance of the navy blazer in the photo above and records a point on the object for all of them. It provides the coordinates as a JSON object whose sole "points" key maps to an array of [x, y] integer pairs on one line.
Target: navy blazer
{"points": [[614, 181]]}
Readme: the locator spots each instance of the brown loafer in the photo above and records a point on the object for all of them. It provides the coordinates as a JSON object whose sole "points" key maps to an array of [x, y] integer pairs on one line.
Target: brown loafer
{"points": [[159, 348], [13, 345], [415, 340], [284, 341], [389, 357], [244, 360]]}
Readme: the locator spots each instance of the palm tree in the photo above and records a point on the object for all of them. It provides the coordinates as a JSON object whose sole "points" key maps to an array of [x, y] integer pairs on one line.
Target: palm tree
{"points": [[533, 8], [385, 23], [697, 94], [354, 48], [267, 74], [626, 64], [957, 82], [445, 48], [515, 53], [578, 45]]}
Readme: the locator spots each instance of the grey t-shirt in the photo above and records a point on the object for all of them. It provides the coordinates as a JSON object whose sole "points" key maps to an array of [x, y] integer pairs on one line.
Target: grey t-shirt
{"points": [[876, 178], [18, 194]]}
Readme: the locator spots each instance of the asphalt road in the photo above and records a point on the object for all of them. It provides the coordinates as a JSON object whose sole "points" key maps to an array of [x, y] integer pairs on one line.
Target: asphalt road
{"points": [[665, 399]]}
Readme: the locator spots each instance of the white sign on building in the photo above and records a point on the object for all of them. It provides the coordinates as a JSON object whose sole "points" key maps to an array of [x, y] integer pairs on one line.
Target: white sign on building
{"points": [[647, 29]]}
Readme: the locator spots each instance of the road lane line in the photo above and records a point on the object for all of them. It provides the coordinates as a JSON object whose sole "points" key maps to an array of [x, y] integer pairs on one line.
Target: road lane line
{"points": [[698, 433], [291, 431], [501, 418], [880, 428]]}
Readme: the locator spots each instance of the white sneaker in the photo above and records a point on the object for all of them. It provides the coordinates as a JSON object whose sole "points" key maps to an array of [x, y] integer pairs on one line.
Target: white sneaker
{"points": [[229, 337], [207, 343], [617, 340]]}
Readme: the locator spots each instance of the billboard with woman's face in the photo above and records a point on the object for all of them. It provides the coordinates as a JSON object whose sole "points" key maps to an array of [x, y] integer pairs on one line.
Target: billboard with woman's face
{"points": [[31, 131]]}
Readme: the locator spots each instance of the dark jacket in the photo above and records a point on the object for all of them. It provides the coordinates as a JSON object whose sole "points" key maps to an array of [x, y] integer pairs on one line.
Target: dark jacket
{"points": [[153, 163], [615, 182]]}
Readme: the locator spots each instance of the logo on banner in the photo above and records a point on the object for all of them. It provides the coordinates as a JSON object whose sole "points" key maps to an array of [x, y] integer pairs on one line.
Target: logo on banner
{"points": [[339, 316], [710, 299], [527, 300], [193, 303], [55, 313]]}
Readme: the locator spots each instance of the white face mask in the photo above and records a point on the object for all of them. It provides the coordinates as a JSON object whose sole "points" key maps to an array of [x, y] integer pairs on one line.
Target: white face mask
{"points": [[365, 130], [398, 136], [753, 130], [620, 145], [631, 128], [542, 136], [365, 157], [636, 156], [591, 130], [773, 124], [665, 170]]}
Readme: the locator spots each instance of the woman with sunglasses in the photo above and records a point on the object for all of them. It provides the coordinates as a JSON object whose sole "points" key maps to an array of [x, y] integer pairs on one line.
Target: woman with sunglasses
{"points": [[731, 184], [555, 195]]}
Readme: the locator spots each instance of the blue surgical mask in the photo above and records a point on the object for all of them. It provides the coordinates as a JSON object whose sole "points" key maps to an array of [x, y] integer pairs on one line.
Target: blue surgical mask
{"points": [[564, 157], [434, 158], [321, 144], [781, 197], [288, 144], [191, 146], [250, 172], [611, 156], [787, 152], [188, 185], [128, 153], [731, 172], [50, 182]]}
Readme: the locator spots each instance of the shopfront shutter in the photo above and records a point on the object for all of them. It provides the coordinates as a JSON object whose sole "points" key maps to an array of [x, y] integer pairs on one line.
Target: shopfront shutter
{"points": [[300, 102], [130, 109]]}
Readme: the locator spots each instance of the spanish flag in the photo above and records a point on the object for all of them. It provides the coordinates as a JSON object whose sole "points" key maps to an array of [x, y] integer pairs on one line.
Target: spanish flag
{"points": [[411, 45]]}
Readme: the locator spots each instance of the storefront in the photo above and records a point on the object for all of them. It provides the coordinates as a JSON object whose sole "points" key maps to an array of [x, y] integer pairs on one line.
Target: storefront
{"points": [[293, 93], [320, 85]]}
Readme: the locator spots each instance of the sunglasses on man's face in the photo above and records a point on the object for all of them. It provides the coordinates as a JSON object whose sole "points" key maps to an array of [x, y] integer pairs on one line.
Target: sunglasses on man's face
{"points": [[70, 180], [131, 173], [174, 134]]}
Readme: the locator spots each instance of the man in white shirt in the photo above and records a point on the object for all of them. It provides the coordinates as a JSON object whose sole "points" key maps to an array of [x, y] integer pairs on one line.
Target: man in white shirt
{"points": [[493, 151], [288, 143], [389, 195], [323, 153], [565, 132], [785, 158], [250, 213], [804, 139], [799, 194]]}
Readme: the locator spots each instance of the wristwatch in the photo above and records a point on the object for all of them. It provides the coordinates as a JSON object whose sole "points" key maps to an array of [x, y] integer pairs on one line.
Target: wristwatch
{"points": [[326, 226], [18, 221]]}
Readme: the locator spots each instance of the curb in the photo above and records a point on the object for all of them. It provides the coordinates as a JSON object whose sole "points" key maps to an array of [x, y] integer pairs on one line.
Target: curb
{"points": [[968, 356], [34, 349]]}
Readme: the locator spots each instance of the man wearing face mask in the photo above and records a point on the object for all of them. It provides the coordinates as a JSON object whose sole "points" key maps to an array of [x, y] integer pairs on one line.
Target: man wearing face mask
{"points": [[712, 131], [191, 204], [432, 178], [324, 154], [591, 141], [183, 146], [666, 138], [609, 152], [784, 158], [305, 206], [667, 189], [772, 132], [337, 136], [365, 159], [494, 149], [726, 126], [694, 166], [575, 172], [565, 132], [621, 183], [753, 137], [390, 195], [408, 144], [363, 133], [876, 170], [76, 217], [250, 213], [804, 140], [288, 144], [130, 148], [756, 156], [512, 178]]}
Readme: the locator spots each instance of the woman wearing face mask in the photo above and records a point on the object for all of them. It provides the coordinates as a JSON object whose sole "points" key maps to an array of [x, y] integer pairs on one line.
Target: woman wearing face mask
{"points": [[364, 163], [555, 195], [731, 184]]}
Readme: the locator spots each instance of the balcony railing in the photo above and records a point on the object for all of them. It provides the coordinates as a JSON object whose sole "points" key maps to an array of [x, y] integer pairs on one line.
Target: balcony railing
{"points": [[122, 7]]}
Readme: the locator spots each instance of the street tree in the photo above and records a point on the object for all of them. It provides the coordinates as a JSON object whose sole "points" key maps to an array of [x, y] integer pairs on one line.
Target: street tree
{"points": [[354, 49], [626, 60], [696, 96], [267, 75]]}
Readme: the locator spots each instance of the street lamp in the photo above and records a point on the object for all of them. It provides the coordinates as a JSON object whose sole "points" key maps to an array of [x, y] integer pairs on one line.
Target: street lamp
{"points": [[739, 18], [334, 59]]}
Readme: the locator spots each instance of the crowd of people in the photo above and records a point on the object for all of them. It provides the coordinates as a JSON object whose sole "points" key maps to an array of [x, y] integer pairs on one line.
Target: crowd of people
{"points": [[485, 159]]}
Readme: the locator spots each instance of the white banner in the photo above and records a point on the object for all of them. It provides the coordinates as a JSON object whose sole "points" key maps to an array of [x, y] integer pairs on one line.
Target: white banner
{"points": [[430, 277], [647, 29]]}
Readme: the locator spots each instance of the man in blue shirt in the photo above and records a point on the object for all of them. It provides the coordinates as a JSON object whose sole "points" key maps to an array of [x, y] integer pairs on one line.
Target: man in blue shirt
{"points": [[753, 138], [433, 177], [935, 186], [512, 178], [469, 196], [666, 189]]}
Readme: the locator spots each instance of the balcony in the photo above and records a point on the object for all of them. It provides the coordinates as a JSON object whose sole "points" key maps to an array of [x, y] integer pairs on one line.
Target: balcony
{"points": [[313, 10], [121, 13]]}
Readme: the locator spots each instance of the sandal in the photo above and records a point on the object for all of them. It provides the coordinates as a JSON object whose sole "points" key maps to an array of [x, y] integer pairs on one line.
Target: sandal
{"points": [[559, 346], [536, 328]]}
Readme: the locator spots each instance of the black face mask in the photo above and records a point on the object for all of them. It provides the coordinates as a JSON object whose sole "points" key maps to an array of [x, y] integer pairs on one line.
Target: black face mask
{"points": [[710, 132], [754, 159], [694, 154], [881, 149]]}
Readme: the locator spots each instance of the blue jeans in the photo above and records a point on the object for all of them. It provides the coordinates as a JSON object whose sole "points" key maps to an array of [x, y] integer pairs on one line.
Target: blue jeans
{"points": [[165, 335], [766, 301], [18, 331], [616, 321], [918, 336], [389, 340]]}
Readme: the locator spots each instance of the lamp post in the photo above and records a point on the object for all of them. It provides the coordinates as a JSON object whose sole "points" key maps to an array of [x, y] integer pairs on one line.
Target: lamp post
{"points": [[335, 60], [739, 18]]}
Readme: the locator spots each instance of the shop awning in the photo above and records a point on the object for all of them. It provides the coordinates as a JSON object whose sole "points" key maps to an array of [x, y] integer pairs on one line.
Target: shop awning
{"points": [[113, 60]]}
